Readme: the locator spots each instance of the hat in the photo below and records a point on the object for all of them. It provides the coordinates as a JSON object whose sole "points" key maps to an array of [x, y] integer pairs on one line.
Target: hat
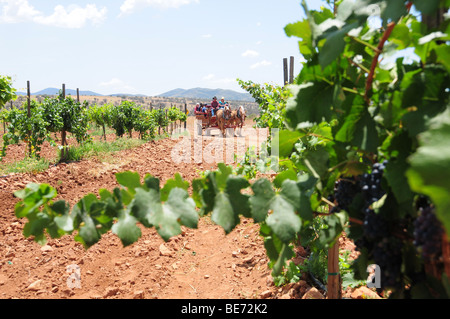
{"points": [[223, 98], [214, 98]]}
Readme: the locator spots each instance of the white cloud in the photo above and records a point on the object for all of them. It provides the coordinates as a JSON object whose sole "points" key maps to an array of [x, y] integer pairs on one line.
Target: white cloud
{"points": [[250, 54], [118, 86], [207, 36], [16, 11], [224, 81], [209, 77], [130, 6], [260, 64]]}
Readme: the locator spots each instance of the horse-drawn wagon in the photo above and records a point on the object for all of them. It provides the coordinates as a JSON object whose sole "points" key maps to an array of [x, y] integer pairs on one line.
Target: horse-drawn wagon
{"points": [[223, 119]]}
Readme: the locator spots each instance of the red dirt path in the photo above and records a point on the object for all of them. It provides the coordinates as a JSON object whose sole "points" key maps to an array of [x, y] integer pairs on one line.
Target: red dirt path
{"points": [[199, 264]]}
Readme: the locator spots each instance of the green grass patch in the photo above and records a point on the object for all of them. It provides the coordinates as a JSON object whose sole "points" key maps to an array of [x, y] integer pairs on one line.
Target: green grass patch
{"points": [[100, 149], [98, 131], [27, 165]]}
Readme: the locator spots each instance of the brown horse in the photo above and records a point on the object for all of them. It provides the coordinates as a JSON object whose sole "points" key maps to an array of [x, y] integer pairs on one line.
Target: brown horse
{"points": [[223, 118], [240, 117]]}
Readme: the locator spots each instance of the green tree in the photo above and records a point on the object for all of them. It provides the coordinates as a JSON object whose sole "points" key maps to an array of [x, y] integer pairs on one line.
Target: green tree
{"points": [[7, 92]]}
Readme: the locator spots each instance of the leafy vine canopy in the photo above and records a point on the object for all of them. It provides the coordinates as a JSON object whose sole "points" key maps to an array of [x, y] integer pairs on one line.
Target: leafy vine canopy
{"points": [[376, 77]]}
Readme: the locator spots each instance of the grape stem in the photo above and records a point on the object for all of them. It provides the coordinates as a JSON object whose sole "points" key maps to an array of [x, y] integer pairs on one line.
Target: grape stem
{"points": [[355, 221], [328, 202], [350, 219], [386, 34], [362, 67], [378, 50]]}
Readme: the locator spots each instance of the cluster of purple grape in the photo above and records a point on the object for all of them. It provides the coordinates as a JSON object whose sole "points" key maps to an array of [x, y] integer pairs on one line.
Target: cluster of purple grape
{"points": [[375, 226], [344, 192], [428, 233], [383, 248], [387, 253], [371, 183]]}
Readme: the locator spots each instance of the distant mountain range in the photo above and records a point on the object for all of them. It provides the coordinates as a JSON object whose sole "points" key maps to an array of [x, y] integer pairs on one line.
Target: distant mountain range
{"points": [[208, 94], [54, 91], [197, 93]]}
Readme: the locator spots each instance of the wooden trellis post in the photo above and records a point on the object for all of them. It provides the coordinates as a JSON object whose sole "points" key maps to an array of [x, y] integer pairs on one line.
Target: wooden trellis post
{"points": [[334, 278], [159, 126], [288, 74], [63, 132], [185, 112], [29, 115], [285, 71], [291, 71]]}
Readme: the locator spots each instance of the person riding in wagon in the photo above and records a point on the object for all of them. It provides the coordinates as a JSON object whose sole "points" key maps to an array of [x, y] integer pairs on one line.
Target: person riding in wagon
{"points": [[214, 106], [222, 103]]}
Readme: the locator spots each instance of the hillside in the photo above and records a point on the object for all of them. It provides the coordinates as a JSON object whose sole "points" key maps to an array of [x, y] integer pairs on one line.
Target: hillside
{"points": [[196, 93], [55, 91], [202, 93]]}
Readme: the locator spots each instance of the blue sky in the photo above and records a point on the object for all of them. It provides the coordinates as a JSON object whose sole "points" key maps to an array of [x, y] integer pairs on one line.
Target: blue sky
{"points": [[146, 46]]}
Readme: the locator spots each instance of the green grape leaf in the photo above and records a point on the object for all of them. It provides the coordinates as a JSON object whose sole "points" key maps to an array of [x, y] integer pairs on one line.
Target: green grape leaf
{"points": [[359, 129], [284, 175], [37, 222], [182, 207], [284, 221], [317, 161], [222, 176], [87, 233], [239, 202], [104, 194], [277, 251], [306, 184], [285, 254], [286, 140], [391, 111], [64, 220], [126, 229], [334, 44], [395, 174], [230, 203], [282, 218], [427, 7], [151, 182], [334, 226], [223, 214], [430, 167], [311, 102], [198, 186], [393, 11], [366, 135], [144, 206], [302, 30], [168, 217], [260, 202], [113, 202], [207, 192], [33, 196], [177, 181], [130, 180], [443, 56]]}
